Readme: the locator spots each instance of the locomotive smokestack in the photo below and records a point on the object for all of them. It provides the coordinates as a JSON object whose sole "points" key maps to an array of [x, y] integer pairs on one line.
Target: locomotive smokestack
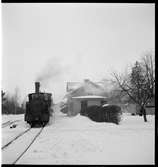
{"points": [[37, 86]]}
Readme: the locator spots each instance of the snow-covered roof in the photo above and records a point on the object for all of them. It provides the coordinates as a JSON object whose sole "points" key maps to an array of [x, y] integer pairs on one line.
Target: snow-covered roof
{"points": [[73, 85], [89, 97]]}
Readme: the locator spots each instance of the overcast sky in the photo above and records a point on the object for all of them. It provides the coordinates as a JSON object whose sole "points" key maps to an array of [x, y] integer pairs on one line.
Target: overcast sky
{"points": [[56, 43]]}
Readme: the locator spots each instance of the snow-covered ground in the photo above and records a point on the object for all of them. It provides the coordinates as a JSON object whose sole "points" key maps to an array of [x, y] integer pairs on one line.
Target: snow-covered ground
{"points": [[78, 140], [7, 132], [6, 118]]}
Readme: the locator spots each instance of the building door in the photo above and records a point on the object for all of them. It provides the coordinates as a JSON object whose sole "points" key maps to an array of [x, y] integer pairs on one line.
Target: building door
{"points": [[83, 107]]}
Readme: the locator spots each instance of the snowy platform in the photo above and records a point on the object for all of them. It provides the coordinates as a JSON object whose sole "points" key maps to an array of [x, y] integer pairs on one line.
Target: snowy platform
{"points": [[78, 140]]}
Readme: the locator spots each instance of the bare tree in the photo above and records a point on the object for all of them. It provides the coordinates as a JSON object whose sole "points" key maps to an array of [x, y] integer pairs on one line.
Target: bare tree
{"points": [[11, 105], [148, 64], [3, 100], [139, 84], [3, 96], [15, 99]]}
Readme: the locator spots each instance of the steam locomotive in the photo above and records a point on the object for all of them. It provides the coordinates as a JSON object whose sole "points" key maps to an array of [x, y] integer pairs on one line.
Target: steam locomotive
{"points": [[38, 108]]}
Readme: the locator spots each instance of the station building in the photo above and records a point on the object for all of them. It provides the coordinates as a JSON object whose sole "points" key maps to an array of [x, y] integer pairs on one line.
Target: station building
{"points": [[81, 95]]}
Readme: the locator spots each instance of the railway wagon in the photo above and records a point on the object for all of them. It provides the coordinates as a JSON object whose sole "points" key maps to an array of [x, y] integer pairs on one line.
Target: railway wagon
{"points": [[38, 107]]}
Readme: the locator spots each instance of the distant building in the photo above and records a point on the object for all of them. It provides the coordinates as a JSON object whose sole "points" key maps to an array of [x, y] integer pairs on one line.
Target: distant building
{"points": [[81, 95]]}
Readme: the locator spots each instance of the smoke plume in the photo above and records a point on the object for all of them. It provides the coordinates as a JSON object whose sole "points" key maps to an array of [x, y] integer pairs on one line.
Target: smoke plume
{"points": [[52, 72]]}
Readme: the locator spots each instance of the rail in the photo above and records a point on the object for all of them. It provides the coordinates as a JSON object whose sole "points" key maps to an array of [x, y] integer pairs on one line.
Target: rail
{"points": [[29, 145], [9, 123], [6, 145]]}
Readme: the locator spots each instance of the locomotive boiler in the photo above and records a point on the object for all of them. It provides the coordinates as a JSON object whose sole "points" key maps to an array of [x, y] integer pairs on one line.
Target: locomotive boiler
{"points": [[38, 107]]}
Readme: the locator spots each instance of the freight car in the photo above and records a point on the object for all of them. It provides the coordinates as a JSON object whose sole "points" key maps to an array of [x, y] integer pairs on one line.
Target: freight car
{"points": [[38, 107]]}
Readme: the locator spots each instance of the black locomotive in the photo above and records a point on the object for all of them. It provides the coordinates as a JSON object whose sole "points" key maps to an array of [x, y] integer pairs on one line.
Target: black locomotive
{"points": [[38, 108]]}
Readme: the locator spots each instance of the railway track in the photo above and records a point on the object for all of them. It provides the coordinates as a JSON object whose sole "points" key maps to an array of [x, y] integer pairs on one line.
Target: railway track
{"points": [[22, 133], [8, 123], [20, 144], [29, 145]]}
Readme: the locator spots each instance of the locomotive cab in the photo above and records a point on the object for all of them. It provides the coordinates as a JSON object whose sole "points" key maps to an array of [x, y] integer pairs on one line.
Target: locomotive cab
{"points": [[38, 107]]}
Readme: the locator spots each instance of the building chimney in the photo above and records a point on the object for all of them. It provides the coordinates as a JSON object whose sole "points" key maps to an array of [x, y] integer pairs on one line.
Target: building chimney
{"points": [[37, 86]]}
